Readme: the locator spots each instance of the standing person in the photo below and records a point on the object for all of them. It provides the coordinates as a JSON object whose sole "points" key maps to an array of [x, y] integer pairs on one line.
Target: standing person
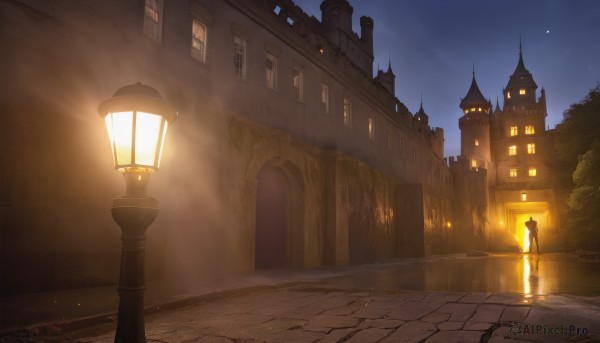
{"points": [[533, 234]]}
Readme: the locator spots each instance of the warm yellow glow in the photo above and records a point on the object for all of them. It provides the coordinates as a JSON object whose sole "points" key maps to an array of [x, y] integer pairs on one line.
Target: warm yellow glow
{"points": [[508, 95], [474, 163], [321, 51], [521, 233], [448, 224], [531, 148], [512, 150], [512, 172], [532, 171], [529, 130], [526, 275], [522, 91], [147, 134], [514, 130], [476, 142], [472, 109], [466, 111], [524, 196], [119, 126]]}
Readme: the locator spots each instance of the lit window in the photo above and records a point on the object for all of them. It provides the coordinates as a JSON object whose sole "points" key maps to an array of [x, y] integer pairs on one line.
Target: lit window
{"points": [[479, 109], [476, 142], [198, 41], [466, 111], [153, 19], [298, 82], [371, 129], [347, 112], [514, 130], [325, 97], [473, 163], [239, 57], [532, 172], [522, 91], [512, 172], [529, 130], [472, 109], [531, 148], [271, 71], [508, 95], [512, 150]]}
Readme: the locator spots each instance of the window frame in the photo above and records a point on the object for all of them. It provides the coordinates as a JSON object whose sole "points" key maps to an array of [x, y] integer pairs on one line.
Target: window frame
{"points": [[530, 148], [199, 54], [271, 83], [513, 172], [513, 130], [152, 28], [371, 128], [347, 112], [325, 97], [532, 172], [529, 129], [298, 83], [241, 70], [512, 150]]}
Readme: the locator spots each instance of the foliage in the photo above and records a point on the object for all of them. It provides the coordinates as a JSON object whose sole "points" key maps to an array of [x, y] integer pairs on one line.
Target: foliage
{"points": [[577, 142]]}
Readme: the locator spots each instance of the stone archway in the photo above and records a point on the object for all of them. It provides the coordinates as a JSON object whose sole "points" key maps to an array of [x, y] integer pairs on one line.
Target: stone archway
{"points": [[279, 229]]}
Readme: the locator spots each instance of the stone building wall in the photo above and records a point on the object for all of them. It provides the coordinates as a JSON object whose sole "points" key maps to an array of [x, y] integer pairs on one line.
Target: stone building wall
{"points": [[57, 175]]}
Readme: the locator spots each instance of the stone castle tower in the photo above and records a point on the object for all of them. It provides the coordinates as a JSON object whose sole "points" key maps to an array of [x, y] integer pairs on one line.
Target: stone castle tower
{"points": [[512, 146]]}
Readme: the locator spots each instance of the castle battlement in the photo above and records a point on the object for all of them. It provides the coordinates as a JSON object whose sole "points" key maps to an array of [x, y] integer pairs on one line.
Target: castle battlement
{"points": [[311, 34]]}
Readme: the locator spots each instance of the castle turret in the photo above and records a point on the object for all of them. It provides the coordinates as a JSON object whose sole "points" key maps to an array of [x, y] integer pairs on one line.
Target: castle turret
{"points": [[387, 79], [475, 126], [520, 90], [336, 15], [366, 32], [336, 24]]}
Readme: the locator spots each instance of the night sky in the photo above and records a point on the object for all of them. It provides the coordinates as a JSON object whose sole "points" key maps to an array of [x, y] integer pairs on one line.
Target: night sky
{"points": [[433, 45]]}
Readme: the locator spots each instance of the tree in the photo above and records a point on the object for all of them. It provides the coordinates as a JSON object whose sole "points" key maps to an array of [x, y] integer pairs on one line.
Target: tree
{"points": [[577, 142]]}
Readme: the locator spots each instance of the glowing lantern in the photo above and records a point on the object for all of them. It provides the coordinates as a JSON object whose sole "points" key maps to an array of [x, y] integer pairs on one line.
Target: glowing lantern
{"points": [[136, 119], [523, 196]]}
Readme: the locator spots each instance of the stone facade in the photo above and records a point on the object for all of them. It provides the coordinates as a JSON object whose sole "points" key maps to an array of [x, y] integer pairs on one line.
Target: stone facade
{"points": [[355, 179]]}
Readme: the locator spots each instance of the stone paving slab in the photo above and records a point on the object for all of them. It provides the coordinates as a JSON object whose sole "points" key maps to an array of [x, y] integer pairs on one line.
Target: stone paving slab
{"points": [[305, 315], [411, 332], [455, 337], [370, 335], [514, 314], [489, 313], [474, 298]]}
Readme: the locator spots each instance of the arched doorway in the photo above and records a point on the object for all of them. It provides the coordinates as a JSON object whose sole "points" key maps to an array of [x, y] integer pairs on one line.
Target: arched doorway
{"points": [[273, 236]]}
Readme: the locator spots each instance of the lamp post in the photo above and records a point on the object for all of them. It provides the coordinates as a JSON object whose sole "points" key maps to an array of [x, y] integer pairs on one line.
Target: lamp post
{"points": [[136, 119]]}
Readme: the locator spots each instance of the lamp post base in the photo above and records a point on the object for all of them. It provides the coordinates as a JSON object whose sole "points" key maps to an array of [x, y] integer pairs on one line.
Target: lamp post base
{"points": [[134, 215]]}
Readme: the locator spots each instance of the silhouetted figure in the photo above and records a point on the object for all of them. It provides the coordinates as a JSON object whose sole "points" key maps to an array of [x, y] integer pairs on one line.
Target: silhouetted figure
{"points": [[533, 234]]}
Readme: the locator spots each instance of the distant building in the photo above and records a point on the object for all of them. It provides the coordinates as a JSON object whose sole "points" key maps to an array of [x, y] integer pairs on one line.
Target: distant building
{"points": [[509, 149]]}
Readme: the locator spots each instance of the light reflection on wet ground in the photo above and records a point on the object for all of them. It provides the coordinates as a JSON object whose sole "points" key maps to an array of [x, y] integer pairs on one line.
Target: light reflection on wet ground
{"points": [[528, 274]]}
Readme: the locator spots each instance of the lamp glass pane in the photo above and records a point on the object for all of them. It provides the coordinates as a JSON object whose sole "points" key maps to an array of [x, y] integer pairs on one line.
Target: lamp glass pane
{"points": [[122, 129], [109, 129], [162, 143], [147, 134]]}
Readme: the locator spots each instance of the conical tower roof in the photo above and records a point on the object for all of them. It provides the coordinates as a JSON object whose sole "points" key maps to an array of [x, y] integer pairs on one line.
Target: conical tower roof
{"points": [[473, 97], [421, 115], [521, 78]]}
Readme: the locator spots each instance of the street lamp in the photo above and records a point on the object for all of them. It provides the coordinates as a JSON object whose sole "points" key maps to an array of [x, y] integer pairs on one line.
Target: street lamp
{"points": [[136, 119]]}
